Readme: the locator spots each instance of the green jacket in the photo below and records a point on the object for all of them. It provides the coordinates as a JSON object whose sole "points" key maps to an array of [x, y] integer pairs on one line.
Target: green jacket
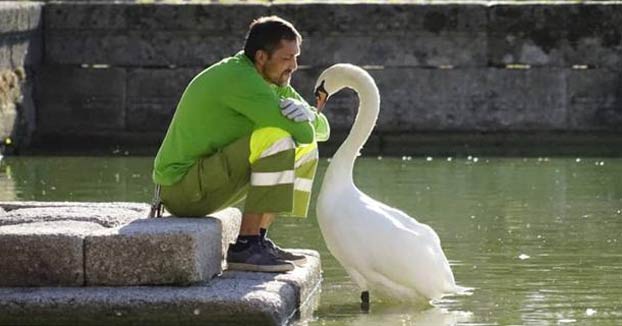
{"points": [[223, 103]]}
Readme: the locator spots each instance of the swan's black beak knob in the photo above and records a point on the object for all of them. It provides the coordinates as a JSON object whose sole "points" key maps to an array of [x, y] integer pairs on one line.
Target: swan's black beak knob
{"points": [[321, 96]]}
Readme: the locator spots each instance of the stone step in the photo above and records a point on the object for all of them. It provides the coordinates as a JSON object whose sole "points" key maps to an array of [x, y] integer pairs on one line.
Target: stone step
{"points": [[234, 298], [77, 244]]}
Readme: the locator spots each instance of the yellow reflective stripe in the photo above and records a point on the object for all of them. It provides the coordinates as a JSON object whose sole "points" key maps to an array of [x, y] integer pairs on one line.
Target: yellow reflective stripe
{"points": [[307, 158], [264, 138], [280, 146], [303, 184], [304, 149], [272, 178]]}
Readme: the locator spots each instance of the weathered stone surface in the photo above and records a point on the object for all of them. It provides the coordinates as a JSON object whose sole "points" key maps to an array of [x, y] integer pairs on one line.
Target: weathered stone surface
{"points": [[424, 49], [20, 16], [105, 214], [369, 18], [555, 35], [152, 96], [305, 279], [160, 251], [205, 17], [456, 99], [44, 253], [78, 98], [230, 220], [139, 47], [234, 299], [594, 100], [26, 49]]}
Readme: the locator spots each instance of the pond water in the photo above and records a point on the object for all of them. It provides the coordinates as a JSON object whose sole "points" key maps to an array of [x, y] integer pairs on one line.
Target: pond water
{"points": [[539, 239]]}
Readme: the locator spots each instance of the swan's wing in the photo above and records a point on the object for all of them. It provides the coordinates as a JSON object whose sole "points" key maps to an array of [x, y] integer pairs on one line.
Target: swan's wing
{"points": [[399, 218], [409, 253]]}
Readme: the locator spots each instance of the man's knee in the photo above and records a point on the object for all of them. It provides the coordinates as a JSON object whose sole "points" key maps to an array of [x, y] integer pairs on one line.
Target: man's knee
{"points": [[269, 141]]}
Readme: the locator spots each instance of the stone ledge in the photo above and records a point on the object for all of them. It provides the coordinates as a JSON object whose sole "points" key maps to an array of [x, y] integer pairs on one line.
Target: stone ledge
{"points": [[43, 253], [106, 214], [236, 298], [120, 246], [155, 251]]}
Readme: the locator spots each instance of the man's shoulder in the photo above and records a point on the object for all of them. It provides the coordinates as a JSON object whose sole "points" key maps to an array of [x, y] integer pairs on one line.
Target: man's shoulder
{"points": [[232, 69]]}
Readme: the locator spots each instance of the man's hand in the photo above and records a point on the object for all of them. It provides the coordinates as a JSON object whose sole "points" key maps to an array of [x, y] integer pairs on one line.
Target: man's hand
{"points": [[296, 110]]}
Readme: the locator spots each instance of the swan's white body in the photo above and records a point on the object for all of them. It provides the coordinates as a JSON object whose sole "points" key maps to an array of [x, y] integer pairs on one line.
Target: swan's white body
{"points": [[382, 248]]}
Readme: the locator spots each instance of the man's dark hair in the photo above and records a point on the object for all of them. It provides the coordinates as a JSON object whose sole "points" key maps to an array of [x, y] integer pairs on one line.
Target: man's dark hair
{"points": [[266, 33]]}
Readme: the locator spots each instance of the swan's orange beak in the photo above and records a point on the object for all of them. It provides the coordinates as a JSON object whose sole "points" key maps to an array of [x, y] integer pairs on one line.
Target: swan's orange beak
{"points": [[320, 100], [321, 96]]}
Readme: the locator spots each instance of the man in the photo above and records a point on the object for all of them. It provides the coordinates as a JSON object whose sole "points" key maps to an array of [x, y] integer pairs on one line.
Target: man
{"points": [[241, 131]]}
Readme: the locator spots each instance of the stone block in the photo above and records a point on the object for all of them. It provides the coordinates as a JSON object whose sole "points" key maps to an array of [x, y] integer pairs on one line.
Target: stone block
{"points": [[43, 253], [20, 50], [153, 94], [110, 215], [594, 100], [456, 99], [513, 100], [416, 48], [234, 299], [390, 35], [370, 18], [305, 279], [80, 16], [16, 17], [139, 47], [79, 99], [554, 35], [27, 50], [212, 18], [594, 35], [159, 251]]}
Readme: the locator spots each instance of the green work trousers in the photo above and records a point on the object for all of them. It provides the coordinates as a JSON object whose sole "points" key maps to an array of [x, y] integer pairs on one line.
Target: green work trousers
{"points": [[267, 168]]}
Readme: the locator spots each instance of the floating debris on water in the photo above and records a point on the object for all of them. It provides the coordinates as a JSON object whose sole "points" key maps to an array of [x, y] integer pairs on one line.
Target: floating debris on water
{"points": [[523, 256], [449, 159], [578, 160], [590, 312], [566, 321], [429, 158]]}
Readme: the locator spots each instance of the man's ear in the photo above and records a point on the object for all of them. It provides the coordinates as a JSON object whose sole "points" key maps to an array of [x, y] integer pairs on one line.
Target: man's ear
{"points": [[261, 57]]}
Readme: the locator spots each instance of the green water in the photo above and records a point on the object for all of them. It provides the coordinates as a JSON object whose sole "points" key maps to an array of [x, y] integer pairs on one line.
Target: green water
{"points": [[539, 240]]}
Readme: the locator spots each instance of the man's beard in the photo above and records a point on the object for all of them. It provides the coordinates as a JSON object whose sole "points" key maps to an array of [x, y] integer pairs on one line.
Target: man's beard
{"points": [[284, 79]]}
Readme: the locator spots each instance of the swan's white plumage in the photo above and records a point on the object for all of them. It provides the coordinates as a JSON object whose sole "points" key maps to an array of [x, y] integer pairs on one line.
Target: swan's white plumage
{"points": [[382, 248]]}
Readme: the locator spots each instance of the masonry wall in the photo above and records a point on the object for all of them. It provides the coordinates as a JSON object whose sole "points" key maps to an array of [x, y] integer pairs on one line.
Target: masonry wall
{"points": [[20, 59], [448, 74]]}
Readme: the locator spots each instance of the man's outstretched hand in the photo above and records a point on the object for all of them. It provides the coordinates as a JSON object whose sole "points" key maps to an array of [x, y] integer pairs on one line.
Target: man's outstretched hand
{"points": [[296, 110]]}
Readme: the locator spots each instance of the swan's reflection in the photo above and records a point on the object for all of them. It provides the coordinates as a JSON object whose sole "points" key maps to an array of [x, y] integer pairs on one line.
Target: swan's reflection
{"points": [[391, 314]]}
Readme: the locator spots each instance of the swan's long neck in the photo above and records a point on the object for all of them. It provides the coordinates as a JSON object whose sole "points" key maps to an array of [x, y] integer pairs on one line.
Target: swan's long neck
{"points": [[342, 164]]}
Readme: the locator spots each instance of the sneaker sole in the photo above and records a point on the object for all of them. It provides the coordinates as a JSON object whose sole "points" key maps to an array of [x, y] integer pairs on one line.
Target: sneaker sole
{"points": [[260, 268]]}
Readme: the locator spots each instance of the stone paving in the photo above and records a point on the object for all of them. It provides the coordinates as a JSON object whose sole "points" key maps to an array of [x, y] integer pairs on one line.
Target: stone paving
{"points": [[103, 263]]}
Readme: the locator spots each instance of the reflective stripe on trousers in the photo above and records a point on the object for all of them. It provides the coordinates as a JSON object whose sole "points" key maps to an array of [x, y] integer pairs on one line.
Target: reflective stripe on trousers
{"points": [[281, 173]]}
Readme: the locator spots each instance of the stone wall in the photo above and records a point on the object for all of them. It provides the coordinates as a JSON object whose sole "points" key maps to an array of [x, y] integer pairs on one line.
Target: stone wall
{"points": [[20, 57], [113, 73]]}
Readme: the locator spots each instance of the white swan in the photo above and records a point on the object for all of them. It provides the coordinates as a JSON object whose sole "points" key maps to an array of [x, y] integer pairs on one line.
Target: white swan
{"points": [[382, 248]]}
